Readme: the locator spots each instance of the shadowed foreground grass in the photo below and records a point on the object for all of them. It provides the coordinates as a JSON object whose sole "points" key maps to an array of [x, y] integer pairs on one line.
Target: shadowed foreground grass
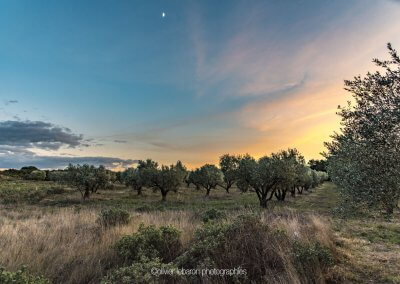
{"points": [[70, 247]]}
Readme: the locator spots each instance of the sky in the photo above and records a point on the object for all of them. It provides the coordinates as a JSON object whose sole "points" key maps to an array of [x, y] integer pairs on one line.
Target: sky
{"points": [[112, 82]]}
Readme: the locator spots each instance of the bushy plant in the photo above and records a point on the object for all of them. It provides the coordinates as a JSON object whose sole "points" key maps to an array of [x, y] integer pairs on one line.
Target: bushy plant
{"points": [[113, 217], [144, 271], [20, 276], [37, 175], [212, 214], [150, 242], [244, 243], [309, 256]]}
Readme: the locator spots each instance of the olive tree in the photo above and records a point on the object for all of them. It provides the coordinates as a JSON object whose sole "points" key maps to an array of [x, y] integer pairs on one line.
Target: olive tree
{"points": [[318, 165], [147, 164], [138, 178], [133, 177], [305, 180], [364, 157], [86, 178], [208, 177], [163, 179], [262, 176], [182, 171], [193, 178], [229, 165], [289, 165]]}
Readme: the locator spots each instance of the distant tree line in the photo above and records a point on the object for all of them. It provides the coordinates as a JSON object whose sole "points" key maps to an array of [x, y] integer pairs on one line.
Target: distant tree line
{"points": [[268, 177]]}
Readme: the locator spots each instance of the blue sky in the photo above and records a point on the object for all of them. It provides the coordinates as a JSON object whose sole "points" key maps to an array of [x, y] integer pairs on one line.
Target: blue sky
{"points": [[209, 78]]}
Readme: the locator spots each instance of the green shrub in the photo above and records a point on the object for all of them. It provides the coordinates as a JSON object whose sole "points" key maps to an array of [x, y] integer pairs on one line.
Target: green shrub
{"points": [[150, 242], [37, 175], [21, 276], [113, 217], [309, 257], [244, 243], [144, 271], [212, 214]]}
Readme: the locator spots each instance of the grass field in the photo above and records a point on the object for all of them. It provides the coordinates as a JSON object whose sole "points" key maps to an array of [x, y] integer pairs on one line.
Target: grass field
{"points": [[52, 231]]}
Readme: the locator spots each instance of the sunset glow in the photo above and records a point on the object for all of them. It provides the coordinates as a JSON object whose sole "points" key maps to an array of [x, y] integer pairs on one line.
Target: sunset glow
{"points": [[204, 79]]}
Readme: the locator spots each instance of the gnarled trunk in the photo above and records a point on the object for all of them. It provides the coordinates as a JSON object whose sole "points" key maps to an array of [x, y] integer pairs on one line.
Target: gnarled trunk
{"points": [[263, 202]]}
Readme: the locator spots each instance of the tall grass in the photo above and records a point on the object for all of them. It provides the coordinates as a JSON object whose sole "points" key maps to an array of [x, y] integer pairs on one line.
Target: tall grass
{"points": [[69, 246]]}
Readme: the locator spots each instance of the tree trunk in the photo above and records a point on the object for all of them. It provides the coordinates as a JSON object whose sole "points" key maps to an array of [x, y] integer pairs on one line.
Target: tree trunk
{"points": [[283, 195], [263, 202], [389, 209], [139, 191], [208, 191], [86, 195], [164, 196]]}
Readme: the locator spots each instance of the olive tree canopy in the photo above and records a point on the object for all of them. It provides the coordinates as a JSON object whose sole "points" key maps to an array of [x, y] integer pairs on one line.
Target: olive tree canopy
{"points": [[364, 158]]}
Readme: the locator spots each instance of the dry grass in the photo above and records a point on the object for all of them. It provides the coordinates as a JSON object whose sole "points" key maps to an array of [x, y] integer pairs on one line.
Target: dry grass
{"points": [[69, 247]]}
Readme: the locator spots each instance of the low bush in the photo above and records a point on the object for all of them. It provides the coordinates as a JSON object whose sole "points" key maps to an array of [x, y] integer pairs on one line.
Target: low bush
{"points": [[150, 242], [246, 243], [310, 257], [21, 276], [265, 253], [36, 175], [113, 217], [145, 271], [212, 214]]}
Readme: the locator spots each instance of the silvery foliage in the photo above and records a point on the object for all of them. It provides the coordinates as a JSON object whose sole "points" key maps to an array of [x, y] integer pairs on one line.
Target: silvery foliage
{"points": [[364, 158]]}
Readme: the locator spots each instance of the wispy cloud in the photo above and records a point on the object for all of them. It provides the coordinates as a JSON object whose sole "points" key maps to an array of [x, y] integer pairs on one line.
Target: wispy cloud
{"points": [[8, 102]]}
